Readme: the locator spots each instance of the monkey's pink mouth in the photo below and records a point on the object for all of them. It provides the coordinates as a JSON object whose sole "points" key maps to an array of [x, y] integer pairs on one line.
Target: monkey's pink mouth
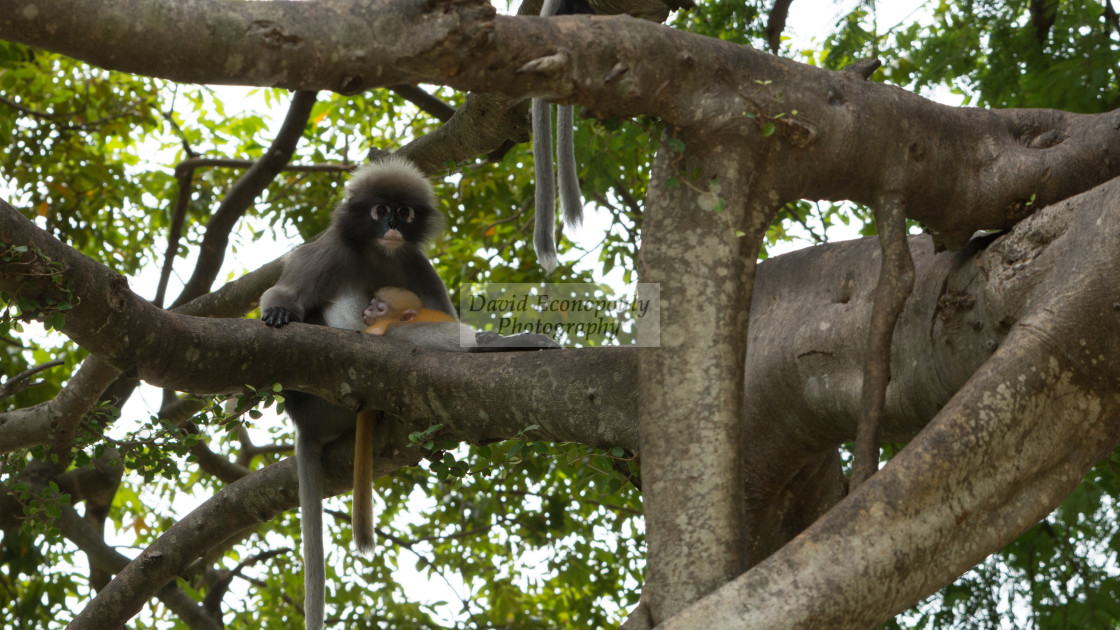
{"points": [[391, 240]]}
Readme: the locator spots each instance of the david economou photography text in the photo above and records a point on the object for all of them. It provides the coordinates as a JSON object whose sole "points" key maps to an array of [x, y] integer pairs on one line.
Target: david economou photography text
{"points": [[573, 314]]}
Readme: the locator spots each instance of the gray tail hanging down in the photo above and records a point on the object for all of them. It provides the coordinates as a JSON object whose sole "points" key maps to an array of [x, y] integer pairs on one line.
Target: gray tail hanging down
{"points": [[544, 236], [544, 232], [310, 473], [571, 202]]}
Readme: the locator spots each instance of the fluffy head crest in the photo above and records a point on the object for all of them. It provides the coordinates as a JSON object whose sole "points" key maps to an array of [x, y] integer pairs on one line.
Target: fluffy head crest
{"points": [[394, 177]]}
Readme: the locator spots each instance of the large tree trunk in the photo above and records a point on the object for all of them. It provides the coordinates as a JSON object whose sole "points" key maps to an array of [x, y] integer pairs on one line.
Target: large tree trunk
{"points": [[1001, 454]]}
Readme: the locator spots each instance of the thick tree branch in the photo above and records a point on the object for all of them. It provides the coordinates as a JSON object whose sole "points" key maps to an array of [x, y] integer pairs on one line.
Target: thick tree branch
{"points": [[239, 506], [1043, 14], [1016, 160], [107, 558], [776, 24], [82, 531], [690, 389], [56, 420], [753, 120], [844, 571], [804, 393], [896, 281], [1005, 451], [484, 124], [570, 394]]}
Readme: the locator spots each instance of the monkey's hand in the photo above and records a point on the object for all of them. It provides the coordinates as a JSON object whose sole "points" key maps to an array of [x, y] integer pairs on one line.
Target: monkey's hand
{"points": [[276, 316]]}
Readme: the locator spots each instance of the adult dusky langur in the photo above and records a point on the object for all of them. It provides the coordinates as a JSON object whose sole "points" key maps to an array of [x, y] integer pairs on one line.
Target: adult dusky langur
{"points": [[375, 239], [544, 230]]}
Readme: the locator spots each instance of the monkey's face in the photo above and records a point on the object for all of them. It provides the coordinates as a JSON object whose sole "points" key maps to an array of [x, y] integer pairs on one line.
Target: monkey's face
{"points": [[377, 309], [389, 224], [393, 218]]}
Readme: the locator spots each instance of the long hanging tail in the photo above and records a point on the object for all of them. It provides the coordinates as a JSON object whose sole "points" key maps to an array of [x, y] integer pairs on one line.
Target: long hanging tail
{"points": [[571, 201], [361, 507], [544, 236], [544, 230], [310, 473]]}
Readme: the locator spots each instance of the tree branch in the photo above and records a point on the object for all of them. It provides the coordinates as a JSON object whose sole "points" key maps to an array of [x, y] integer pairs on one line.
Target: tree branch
{"points": [[1002, 453], [1048, 269], [13, 385], [484, 124], [86, 539], [690, 419], [896, 281], [571, 394], [965, 306], [620, 67], [59, 418], [56, 419], [425, 102], [776, 24], [240, 505], [239, 198]]}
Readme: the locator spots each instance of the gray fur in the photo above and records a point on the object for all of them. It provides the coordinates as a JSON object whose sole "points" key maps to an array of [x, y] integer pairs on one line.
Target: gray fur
{"points": [[571, 201], [397, 174], [457, 337], [309, 453], [544, 236], [333, 268], [448, 336]]}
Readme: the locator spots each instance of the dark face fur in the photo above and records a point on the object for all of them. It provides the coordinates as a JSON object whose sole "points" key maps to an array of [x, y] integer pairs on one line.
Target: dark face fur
{"points": [[390, 205], [390, 222]]}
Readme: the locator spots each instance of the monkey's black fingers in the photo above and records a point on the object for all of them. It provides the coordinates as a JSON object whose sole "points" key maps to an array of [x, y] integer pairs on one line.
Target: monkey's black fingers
{"points": [[276, 316]]}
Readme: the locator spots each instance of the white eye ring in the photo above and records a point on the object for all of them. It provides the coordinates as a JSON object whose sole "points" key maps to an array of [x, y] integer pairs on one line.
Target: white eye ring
{"points": [[380, 211], [406, 213]]}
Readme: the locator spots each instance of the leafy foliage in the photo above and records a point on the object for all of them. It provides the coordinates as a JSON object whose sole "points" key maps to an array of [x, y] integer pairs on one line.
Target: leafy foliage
{"points": [[524, 530]]}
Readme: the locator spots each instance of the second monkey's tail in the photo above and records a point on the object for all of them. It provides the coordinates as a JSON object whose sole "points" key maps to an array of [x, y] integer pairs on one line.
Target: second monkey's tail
{"points": [[361, 515]]}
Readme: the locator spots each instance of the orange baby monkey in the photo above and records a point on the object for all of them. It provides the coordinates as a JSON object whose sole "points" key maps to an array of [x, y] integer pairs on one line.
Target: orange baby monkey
{"points": [[393, 306], [388, 312], [389, 308]]}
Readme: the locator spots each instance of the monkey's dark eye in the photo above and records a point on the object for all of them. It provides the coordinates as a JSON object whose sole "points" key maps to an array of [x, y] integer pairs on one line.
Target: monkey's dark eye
{"points": [[406, 213], [380, 211]]}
